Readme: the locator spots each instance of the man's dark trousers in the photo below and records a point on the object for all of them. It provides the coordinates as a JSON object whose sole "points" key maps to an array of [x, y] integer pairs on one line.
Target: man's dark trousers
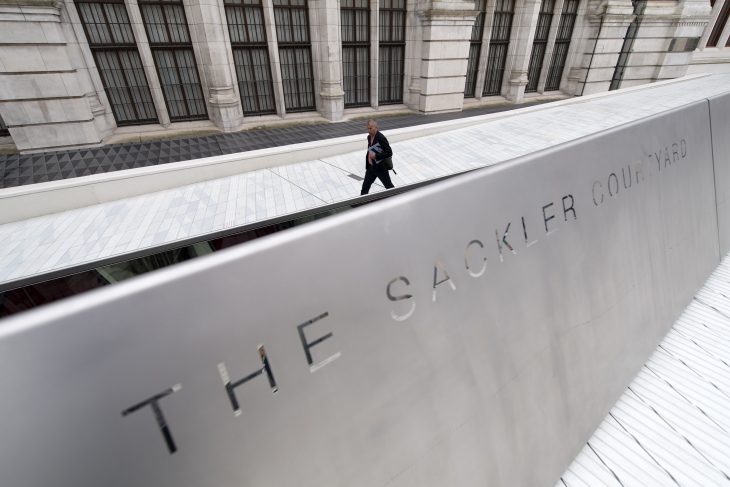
{"points": [[375, 171]]}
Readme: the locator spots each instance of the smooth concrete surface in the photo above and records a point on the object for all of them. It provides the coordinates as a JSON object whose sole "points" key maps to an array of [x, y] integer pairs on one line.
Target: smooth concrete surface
{"points": [[452, 335]]}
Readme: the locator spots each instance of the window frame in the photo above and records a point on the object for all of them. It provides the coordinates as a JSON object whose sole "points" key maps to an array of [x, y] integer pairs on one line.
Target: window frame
{"points": [[116, 48], [174, 47], [248, 47]]}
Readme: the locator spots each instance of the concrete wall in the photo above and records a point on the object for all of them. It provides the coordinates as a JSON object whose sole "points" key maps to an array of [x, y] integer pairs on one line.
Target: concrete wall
{"points": [[470, 333]]}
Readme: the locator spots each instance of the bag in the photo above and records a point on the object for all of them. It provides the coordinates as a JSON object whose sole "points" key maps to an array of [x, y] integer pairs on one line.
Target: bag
{"points": [[388, 164]]}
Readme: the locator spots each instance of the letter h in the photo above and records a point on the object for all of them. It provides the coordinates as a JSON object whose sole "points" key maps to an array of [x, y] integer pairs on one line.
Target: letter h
{"points": [[231, 386]]}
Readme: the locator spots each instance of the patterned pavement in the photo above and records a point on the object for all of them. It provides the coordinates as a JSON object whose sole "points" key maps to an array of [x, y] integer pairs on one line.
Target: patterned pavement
{"points": [[22, 169]]}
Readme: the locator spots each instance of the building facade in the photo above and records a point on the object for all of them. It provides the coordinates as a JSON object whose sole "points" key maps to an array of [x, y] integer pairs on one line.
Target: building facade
{"points": [[75, 72]]}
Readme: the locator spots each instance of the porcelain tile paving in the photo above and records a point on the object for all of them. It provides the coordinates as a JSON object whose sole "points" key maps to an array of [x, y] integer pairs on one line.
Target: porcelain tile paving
{"points": [[54, 242]]}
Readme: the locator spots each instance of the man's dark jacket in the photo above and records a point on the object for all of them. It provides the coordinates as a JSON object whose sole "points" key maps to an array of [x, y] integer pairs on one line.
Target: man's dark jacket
{"points": [[380, 146]]}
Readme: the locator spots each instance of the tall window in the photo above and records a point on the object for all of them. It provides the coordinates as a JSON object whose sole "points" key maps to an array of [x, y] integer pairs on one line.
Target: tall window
{"points": [[172, 50], [355, 20], [719, 25], [251, 56], [3, 128], [392, 51], [539, 44], [295, 54], [112, 44], [475, 49], [498, 44], [623, 58], [562, 42]]}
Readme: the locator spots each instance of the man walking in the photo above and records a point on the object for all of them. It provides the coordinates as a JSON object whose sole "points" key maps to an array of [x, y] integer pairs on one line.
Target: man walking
{"points": [[378, 150]]}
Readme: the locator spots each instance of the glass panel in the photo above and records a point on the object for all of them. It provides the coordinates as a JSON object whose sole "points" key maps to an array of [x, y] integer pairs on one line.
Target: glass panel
{"points": [[192, 91], [254, 79], [180, 83], [495, 69], [121, 29], [124, 82], [154, 20], [137, 82], [390, 76], [92, 17], [177, 24], [255, 22], [471, 70], [236, 26]]}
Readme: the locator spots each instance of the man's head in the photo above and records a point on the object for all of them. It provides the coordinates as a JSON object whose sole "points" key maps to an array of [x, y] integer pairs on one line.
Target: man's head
{"points": [[372, 127]]}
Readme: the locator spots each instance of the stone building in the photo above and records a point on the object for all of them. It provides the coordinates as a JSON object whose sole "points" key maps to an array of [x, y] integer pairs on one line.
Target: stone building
{"points": [[74, 73]]}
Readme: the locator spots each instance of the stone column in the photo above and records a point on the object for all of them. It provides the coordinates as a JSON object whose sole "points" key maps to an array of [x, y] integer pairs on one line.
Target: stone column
{"points": [[714, 14], [446, 30], [83, 61], [555, 23], [148, 62], [273, 46], [413, 55], [324, 18], [572, 79], [518, 62], [724, 36], [42, 98], [374, 52], [484, 52], [606, 25], [678, 32], [207, 31]]}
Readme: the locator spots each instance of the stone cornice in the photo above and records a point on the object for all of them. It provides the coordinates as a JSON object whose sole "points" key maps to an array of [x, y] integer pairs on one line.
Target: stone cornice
{"points": [[446, 14]]}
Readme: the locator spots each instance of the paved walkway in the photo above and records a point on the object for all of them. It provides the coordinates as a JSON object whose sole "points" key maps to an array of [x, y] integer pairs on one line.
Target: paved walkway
{"points": [[19, 170], [110, 231]]}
